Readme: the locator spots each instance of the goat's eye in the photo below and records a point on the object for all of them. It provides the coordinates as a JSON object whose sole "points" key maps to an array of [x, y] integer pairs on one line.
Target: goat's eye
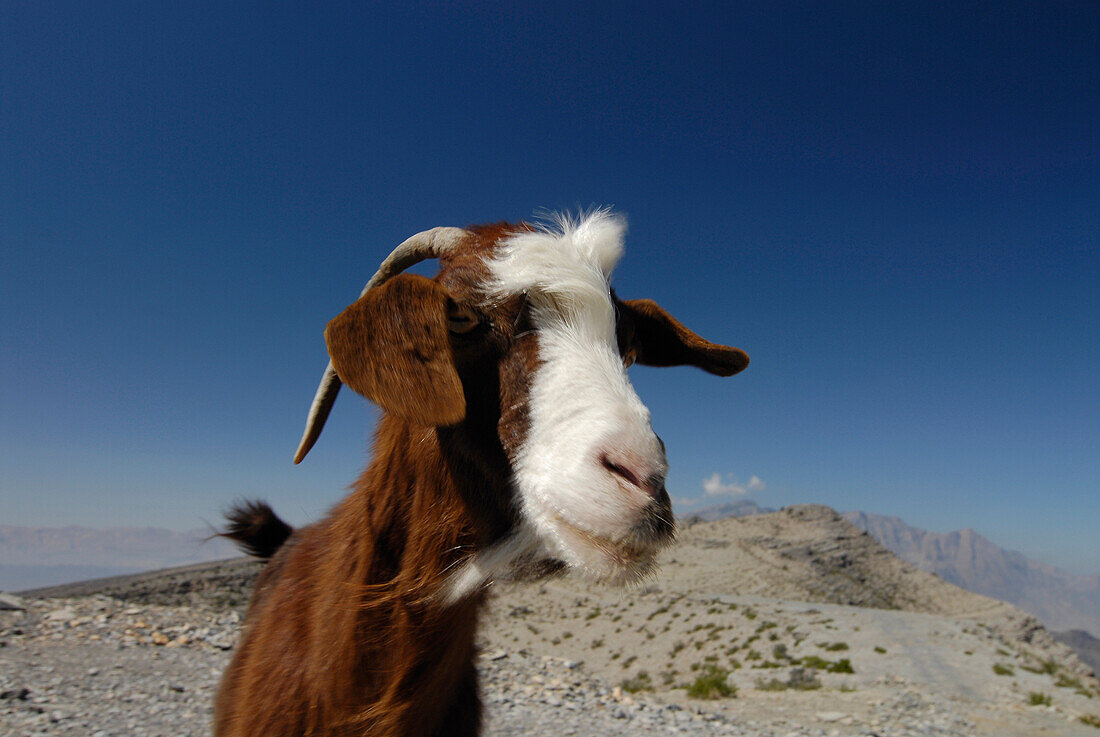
{"points": [[629, 356], [462, 319]]}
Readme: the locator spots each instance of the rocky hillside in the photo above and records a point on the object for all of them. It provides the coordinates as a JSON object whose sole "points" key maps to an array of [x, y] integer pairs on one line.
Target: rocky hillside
{"points": [[223, 584], [965, 558], [790, 623], [1084, 644], [810, 553]]}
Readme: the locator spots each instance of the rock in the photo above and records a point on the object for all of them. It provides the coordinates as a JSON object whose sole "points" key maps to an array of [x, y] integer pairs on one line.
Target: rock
{"points": [[19, 694], [61, 615], [11, 603], [831, 716]]}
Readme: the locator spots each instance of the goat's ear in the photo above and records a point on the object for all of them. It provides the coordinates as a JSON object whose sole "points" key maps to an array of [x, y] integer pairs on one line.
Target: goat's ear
{"points": [[659, 339], [393, 347]]}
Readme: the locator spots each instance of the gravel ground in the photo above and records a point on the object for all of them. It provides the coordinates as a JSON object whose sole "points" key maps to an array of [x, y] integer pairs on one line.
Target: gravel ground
{"points": [[100, 667]]}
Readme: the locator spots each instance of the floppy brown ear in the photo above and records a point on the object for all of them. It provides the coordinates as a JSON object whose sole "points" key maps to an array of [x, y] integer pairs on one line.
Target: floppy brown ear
{"points": [[393, 347], [659, 339]]}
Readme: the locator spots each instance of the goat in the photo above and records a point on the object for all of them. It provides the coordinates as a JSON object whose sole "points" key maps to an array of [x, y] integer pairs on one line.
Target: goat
{"points": [[511, 441]]}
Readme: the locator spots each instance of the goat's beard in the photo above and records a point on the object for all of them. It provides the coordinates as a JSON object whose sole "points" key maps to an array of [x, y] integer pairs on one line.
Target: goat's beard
{"points": [[622, 560], [528, 555]]}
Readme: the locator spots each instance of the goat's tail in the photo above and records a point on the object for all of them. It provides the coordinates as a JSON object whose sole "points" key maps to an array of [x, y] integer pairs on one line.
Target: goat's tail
{"points": [[255, 528]]}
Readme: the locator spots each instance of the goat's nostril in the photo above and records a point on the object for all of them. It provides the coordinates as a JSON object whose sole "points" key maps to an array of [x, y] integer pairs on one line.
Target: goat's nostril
{"points": [[655, 483], [651, 483], [620, 470]]}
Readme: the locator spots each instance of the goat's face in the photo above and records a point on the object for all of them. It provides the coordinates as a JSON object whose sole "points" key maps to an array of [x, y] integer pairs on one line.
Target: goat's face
{"points": [[521, 330]]}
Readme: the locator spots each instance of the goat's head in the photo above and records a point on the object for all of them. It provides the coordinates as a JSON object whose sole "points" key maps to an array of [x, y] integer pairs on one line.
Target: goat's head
{"points": [[520, 337]]}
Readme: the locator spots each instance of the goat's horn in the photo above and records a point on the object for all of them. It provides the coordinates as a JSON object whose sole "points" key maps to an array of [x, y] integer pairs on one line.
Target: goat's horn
{"points": [[428, 244]]}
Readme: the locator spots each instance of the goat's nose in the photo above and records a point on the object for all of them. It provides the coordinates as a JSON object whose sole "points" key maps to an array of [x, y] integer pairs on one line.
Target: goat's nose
{"points": [[635, 472]]}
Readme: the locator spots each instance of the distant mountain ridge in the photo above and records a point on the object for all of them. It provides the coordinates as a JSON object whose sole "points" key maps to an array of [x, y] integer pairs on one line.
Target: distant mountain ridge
{"points": [[43, 556], [1062, 600], [739, 508]]}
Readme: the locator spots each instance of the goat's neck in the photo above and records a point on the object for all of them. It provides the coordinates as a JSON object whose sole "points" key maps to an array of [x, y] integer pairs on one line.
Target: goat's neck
{"points": [[422, 506], [431, 497]]}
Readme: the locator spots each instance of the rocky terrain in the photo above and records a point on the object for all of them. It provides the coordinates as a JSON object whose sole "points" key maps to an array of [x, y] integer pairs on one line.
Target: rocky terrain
{"points": [[792, 623], [1084, 644]]}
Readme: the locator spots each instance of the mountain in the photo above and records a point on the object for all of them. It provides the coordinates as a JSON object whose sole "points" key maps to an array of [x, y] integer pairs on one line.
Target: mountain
{"points": [[739, 508], [965, 558], [1085, 645], [45, 556], [808, 553]]}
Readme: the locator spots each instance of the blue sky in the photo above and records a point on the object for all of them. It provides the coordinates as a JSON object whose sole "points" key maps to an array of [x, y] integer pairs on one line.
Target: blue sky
{"points": [[894, 208]]}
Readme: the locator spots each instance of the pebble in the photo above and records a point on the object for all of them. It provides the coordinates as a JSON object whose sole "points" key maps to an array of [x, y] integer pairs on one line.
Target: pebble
{"points": [[831, 716]]}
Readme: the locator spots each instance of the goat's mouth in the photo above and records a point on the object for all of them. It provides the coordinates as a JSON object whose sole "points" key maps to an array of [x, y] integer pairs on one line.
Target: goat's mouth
{"points": [[631, 556]]}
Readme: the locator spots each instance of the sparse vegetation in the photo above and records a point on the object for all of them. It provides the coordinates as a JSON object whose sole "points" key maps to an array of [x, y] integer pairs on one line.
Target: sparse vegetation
{"points": [[815, 663], [656, 613], [1090, 719], [711, 684], [640, 682], [880, 650], [1003, 670], [1045, 667], [803, 680], [1065, 681], [771, 685], [841, 666], [836, 647], [1038, 699]]}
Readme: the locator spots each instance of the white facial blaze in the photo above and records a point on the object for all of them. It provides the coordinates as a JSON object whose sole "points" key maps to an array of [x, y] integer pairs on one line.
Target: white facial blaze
{"points": [[582, 407]]}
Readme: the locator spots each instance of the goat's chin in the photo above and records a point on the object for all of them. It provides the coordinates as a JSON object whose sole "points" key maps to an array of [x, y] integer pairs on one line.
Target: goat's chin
{"points": [[628, 560]]}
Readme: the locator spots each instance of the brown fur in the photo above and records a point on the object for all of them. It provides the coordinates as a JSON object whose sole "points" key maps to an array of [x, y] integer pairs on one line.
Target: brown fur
{"points": [[345, 634], [659, 339]]}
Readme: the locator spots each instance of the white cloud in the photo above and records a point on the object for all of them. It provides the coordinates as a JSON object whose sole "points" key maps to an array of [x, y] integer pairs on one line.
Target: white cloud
{"points": [[715, 486]]}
